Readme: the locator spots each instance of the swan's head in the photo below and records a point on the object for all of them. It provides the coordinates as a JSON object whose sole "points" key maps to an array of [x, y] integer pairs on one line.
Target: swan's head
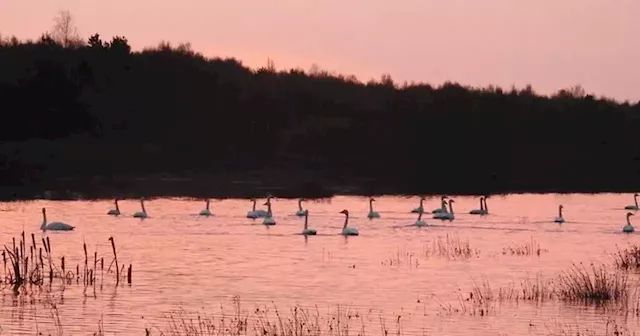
{"points": [[442, 198], [629, 214], [266, 203], [422, 198], [561, 206], [44, 211], [345, 211], [636, 195], [482, 198], [452, 201], [371, 199]]}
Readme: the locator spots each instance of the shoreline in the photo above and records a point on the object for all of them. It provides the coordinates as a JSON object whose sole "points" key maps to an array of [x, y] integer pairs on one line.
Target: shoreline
{"points": [[224, 187]]}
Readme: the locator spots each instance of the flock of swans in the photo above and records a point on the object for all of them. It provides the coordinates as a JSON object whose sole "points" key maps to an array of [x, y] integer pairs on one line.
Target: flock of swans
{"points": [[444, 212]]}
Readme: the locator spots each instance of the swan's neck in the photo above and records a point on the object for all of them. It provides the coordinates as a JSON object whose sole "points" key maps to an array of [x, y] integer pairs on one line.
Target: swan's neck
{"points": [[117, 208], [370, 205], [44, 221], [269, 207], [486, 208], [420, 215], [306, 221], [207, 204], [635, 199], [451, 207], [481, 203], [628, 221], [444, 205], [142, 204], [254, 206], [421, 201], [299, 204], [346, 221], [560, 212]]}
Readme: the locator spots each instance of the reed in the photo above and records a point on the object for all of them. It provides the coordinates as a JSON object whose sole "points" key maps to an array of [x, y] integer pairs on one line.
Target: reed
{"points": [[35, 266], [627, 259], [530, 248], [594, 284], [270, 321], [450, 247]]}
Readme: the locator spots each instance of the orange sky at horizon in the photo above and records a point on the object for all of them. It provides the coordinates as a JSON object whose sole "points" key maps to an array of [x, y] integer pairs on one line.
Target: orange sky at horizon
{"points": [[549, 44]]}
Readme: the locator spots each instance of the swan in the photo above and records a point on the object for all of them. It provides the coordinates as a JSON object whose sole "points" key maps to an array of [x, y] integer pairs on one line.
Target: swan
{"points": [[206, 211], [53, 226], [419, 221], [269, 220], [143, 213], [419, 209], [307, 231], [257, 213], [559, 219], [372, 214], [633, 207], [447, 214], [486, 208], [443, 207], [628, 228], [480, 211], [348, 231], [301, 212], [116, 211]]}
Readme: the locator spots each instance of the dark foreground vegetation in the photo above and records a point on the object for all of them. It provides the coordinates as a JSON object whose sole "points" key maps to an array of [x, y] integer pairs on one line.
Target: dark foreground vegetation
{"points": [[101, 120]]}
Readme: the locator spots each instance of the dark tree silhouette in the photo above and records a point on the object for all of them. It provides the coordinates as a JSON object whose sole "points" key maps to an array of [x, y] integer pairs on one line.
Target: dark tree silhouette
{"points": [[102, 120]]}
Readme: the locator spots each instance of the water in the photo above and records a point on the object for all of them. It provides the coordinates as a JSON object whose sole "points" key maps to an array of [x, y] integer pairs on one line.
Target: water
{"points": [[181, 260]]}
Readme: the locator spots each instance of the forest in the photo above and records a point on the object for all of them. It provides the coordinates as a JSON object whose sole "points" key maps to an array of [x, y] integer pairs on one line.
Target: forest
{"points": [[96, 119]]}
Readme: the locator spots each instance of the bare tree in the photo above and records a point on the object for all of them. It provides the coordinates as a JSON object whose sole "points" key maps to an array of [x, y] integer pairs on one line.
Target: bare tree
{"points": [[64, 30]]}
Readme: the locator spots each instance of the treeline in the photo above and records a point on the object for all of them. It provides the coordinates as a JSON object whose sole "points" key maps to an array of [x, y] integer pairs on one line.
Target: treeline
{"points": [[97, 111]]}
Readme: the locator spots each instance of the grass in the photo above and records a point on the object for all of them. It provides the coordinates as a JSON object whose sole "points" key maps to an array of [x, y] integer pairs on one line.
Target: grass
{"points": [[627, 259], [29, 264], [269, 321], [450, 247], [594, 284], [530, 248]]}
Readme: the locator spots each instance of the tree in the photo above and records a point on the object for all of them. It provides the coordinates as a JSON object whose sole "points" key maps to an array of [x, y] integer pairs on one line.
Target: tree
{"points": [[95, 42], [120, 44], [64, 30]]}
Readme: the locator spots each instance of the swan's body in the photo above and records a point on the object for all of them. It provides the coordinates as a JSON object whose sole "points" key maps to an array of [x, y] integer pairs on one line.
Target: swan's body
{"points": [[269, 220], [447, 215], [420, 222], [482, 210], [633, 207], [301, 212], [372, 214], [258, 213], [143, 213], [116, 211], [419, 209], [306, 231], [206, 211], [348, 231], [628, 228], [53, 226], [443, 205], [559, 219]]}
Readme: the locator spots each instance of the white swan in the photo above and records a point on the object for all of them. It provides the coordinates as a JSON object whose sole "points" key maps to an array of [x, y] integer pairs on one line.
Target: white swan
{"points": [[443, 205], [53, 226], [307, 231], [419, 209], [628, 228], [206, 211], [419, 221], [257, 213], [269, 220], [116, 211], [143, 213], [480, 211], [446, 215], [559, 219], [301, 212], [348, 231], [633, 207], [372, 214]]}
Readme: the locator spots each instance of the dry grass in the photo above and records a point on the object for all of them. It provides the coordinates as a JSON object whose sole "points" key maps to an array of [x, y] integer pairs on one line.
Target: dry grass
{"points": [[531, 248], [450, 247], [269, 321], [595, 284], [610, 327], [627, 259]]}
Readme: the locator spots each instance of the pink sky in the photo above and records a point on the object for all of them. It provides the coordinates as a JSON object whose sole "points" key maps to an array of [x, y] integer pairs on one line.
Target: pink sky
{"points": [[550, 44]]}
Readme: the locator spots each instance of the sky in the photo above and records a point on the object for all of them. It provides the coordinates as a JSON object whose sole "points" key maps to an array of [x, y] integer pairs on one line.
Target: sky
{"points": [[550, 44]]}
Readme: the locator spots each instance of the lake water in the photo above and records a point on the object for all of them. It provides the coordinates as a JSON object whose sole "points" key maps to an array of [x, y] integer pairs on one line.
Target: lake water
{"points": [[181, 260]]}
